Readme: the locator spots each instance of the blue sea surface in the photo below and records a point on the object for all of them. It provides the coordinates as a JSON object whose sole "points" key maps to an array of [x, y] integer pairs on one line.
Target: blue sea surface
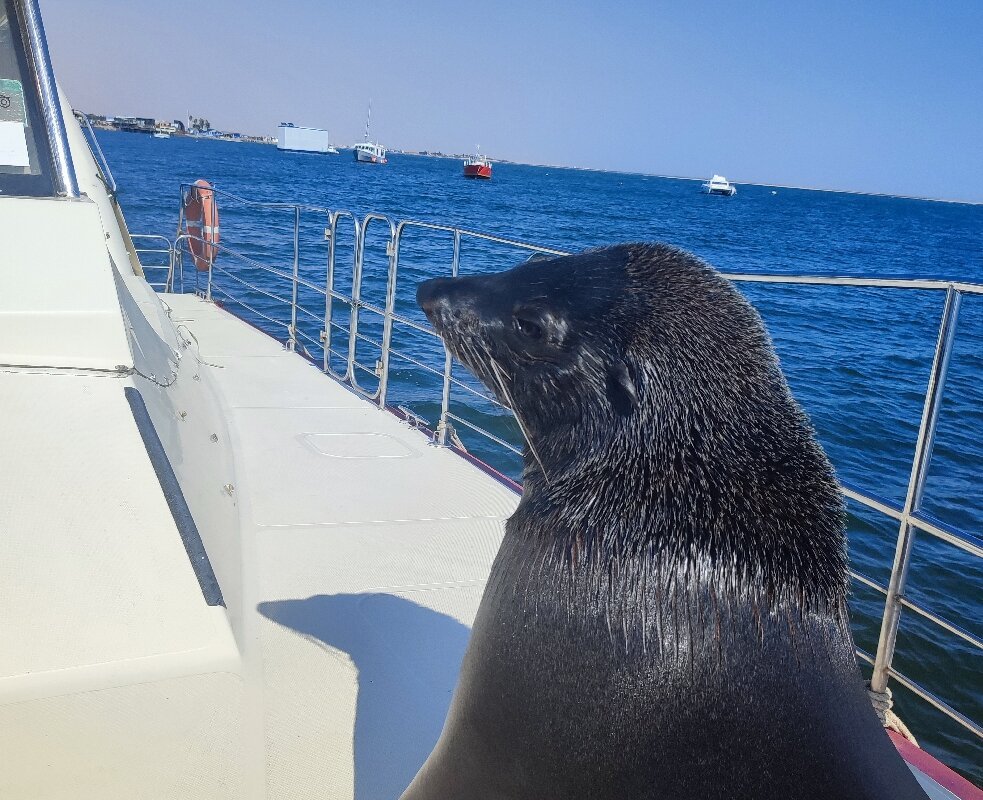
{"points": [[857, 359]]}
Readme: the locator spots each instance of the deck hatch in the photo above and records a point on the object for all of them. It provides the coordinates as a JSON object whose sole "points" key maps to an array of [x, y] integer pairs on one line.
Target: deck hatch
{"points": [[356, 445]]}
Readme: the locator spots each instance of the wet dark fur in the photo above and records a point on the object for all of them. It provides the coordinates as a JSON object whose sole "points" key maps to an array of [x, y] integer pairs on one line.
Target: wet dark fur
{"points": [[666, 617]]}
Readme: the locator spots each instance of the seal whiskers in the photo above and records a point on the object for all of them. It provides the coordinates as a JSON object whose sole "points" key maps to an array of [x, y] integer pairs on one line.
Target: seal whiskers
{"points": [[499, 379]]}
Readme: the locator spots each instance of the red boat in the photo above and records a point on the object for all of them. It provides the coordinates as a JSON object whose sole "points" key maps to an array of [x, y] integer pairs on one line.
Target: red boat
{"points": [[477, 166]]}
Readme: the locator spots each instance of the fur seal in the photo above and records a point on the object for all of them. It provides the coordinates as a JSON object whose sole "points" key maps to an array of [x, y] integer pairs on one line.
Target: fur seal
{"points": [[666, 617]]}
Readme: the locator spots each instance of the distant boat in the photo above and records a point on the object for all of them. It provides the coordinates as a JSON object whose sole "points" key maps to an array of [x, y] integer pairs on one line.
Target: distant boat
{"points": [[477, 166], [718, 184], [369, 152], [162, 135], [299, 138]]}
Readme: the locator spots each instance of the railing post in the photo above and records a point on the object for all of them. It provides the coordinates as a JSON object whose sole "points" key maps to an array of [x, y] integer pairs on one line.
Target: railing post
{"points": [[100, 158], [356, 299], [178, 236], [916, 486], [208, 289], [387, 322], [292, 340], [329, 232], [171, 260], [445, 399]]}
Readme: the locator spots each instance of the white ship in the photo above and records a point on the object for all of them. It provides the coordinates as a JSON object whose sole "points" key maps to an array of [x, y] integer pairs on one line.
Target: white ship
{"points": [[718, 184], [300, 139], [226, 571], [369, 152]]}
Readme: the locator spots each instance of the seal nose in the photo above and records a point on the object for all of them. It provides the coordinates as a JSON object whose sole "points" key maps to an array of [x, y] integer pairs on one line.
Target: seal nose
{"points": [[433, 296], [446, 301]]}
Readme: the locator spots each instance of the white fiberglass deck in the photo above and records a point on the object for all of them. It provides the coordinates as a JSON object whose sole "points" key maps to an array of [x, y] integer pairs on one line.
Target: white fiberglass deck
{"points": [[365, 551]]}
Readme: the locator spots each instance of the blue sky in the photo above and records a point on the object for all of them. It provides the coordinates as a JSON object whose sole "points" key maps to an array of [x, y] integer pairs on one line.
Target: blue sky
{"points": [[863, 96]]}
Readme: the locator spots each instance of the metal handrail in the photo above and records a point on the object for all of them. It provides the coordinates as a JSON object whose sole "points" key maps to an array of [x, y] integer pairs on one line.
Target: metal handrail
{"points": [[330, 294], [916, 488], [166, 250], [908, 516], [844, 280], [105, 173]]}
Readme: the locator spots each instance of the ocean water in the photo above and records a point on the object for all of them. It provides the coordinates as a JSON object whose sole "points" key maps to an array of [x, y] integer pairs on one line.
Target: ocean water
{"points": [[857, 359]]}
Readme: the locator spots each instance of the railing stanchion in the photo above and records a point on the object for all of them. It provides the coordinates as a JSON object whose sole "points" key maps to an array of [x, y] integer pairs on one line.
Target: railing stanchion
{"points": [[386, 312], [445, 398], [169, 283], [181, 222], [392, 248], [329, 290], [178, 252], [292, 340], [208, 289], [916, 486], [331, 294], [356, 299]]}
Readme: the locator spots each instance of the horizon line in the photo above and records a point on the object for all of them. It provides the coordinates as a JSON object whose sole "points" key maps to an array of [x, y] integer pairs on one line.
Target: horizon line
{"points": [[859, 192]]}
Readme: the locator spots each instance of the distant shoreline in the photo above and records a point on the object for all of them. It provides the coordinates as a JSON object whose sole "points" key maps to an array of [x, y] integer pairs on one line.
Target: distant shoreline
{"points": [[457, 157]]}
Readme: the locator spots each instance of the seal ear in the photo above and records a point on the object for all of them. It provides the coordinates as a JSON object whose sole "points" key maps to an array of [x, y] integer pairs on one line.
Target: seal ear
{"points": [[621, 389]]}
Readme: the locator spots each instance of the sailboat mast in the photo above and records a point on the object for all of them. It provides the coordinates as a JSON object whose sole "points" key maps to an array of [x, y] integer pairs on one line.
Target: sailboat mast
{"points": [[368, 120]]}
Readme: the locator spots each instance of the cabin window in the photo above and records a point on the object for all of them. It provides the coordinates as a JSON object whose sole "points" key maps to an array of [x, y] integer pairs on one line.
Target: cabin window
{"points": [[25, 156]]}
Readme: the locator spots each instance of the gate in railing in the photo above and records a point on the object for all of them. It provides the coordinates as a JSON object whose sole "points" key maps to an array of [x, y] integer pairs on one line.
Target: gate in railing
{"points": [[348, 321]]}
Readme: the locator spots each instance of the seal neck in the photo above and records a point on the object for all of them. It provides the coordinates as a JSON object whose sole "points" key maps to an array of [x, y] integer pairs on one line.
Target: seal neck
{"points": [[739, 485]]}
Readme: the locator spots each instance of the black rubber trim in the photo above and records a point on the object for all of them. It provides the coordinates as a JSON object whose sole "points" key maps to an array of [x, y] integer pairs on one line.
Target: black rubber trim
{"points": [[175, 499]]}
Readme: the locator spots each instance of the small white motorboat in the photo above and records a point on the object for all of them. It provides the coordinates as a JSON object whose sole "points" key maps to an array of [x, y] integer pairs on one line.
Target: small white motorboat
{"points": [[718, 184]]}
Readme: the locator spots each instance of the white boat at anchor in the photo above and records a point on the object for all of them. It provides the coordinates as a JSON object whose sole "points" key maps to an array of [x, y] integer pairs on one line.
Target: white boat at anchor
{"points": [[228, 572], [718, 184], [369, 152]]}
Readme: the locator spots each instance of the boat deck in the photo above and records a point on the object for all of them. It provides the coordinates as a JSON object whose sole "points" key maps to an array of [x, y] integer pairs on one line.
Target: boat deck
{"points": [[365, 551], [352, 561]]}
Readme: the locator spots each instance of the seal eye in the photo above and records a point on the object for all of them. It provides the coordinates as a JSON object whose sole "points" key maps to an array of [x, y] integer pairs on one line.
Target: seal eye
{"points": [[528, 328]]}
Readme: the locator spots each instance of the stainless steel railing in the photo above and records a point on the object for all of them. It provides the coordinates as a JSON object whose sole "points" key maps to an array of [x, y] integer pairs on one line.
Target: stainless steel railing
{"points": [[163, 251], [105, 174], [215, 285]]}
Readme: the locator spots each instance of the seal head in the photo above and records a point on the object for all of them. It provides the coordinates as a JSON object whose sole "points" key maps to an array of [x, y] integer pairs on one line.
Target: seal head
{"points": [[667, 614]]}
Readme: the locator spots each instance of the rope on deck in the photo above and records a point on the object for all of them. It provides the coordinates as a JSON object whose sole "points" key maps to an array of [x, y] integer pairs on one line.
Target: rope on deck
{"points": [[883, 703]]}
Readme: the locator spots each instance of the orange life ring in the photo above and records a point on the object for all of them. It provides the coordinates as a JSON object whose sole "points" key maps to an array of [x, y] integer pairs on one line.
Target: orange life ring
{"points": [[201, 221]]}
